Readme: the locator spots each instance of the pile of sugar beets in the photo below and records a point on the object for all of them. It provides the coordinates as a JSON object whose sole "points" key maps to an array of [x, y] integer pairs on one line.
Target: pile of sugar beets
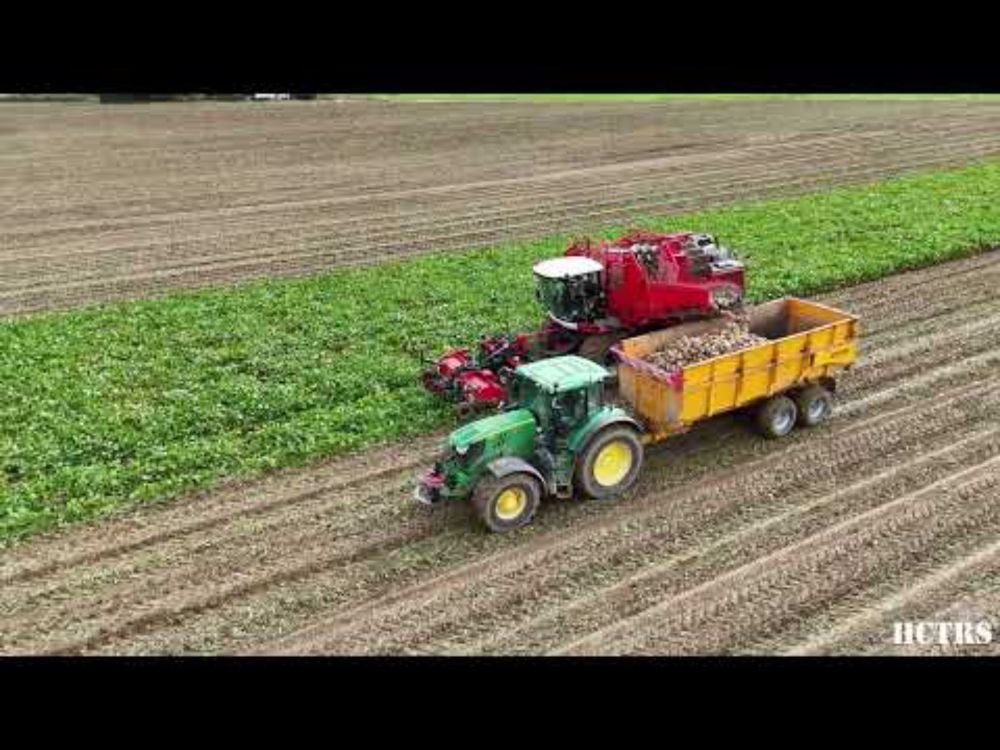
{"points": [[687, 350]]}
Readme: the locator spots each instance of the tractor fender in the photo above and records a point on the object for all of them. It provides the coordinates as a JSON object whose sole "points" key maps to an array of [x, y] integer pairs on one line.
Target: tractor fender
{"points": [[501, 467], [597, 422]]}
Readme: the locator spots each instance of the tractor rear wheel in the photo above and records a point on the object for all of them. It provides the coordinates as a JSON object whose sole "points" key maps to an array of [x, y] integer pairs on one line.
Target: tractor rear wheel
{"points": [[507, 503], [610, 463], [815, 405], [776, 417]]}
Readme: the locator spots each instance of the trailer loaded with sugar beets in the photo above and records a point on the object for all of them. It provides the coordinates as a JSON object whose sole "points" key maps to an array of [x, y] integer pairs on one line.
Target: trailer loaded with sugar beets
{"points": [[595, 296], [563, 432]]}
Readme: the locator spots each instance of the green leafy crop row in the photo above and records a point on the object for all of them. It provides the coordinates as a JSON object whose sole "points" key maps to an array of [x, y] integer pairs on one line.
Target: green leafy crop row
{"points": [[144, 400]]}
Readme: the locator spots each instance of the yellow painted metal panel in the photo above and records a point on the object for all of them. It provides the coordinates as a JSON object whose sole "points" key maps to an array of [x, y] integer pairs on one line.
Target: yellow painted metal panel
{"points": [[788, 363], [653, 400], [756, 377], [627, 383], [722, 391], [841, 355], [695, 394], [809, 341]]}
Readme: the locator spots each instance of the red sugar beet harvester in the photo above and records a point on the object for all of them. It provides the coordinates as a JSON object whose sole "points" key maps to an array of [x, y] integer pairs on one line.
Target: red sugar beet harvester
{"points": [[594, 296]]}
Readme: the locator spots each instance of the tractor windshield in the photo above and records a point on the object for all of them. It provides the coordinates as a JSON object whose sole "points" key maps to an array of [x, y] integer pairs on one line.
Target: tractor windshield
{"points": [[524, 395], [570, 407]]}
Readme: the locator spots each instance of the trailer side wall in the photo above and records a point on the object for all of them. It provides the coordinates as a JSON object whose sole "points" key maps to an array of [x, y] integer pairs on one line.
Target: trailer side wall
{"points": [[807, 342]]}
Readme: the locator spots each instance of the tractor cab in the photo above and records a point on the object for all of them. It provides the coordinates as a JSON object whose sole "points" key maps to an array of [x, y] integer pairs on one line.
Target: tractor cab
{"points": [[570, 289]]}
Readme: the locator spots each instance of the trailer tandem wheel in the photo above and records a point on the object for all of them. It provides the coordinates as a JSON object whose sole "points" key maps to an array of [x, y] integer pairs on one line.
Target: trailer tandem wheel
{"points": [[777, 416], [815, 405]]}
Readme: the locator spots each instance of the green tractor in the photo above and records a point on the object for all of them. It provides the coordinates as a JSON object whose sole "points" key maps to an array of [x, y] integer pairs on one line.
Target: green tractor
{"points": [[558, 434]]}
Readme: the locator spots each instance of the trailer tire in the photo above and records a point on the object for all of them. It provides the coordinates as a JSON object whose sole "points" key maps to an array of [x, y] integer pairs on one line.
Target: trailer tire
{"points": [[610, 463], [815, 405], [777, 416], [508, 502]]}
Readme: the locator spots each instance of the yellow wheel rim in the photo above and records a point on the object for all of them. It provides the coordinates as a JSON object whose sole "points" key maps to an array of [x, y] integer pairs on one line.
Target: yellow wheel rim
{"points": [[613, 463], [511, 503]]}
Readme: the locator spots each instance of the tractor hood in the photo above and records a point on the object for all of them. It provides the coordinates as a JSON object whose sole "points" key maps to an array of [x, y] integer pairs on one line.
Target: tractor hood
{"points": [[517, 420]]}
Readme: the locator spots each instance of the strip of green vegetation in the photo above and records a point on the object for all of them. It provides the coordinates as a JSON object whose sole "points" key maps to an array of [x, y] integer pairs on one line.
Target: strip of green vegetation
{"points": [[144, 400]]}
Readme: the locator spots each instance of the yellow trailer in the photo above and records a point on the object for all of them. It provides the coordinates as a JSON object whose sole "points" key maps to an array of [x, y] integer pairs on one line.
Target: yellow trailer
{"points": [[790, 378]]}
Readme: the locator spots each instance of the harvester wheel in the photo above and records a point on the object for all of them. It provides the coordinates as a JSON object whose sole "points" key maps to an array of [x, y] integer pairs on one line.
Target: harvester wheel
{"points": [[776, 416], [815, 405], [610, 463], [507, 503]]}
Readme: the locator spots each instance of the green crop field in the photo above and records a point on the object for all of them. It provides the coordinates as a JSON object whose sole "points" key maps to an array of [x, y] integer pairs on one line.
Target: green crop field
{"points": [[144, 400]]}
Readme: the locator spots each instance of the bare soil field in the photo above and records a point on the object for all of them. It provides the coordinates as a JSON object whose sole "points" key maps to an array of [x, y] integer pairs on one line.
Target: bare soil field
{"points": [[729, 543], [105, 202]]}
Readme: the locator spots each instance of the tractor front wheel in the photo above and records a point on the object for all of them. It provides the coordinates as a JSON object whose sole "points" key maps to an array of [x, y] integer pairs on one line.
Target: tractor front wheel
{"points": [[507, 503], [610, 463]]}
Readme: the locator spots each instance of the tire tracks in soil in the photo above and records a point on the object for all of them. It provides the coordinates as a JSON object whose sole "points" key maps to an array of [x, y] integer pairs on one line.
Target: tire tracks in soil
{"points": [[872, 626], [622, 539], [713, 617]]}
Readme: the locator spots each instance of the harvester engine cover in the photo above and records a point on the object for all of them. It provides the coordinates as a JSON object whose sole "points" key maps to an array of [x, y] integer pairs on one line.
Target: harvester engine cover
{"points": [[656, 279]]}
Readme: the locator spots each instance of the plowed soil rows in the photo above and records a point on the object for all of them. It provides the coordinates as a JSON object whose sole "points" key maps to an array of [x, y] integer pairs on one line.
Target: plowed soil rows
{"points": [[729, 543], [110, 202]]}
